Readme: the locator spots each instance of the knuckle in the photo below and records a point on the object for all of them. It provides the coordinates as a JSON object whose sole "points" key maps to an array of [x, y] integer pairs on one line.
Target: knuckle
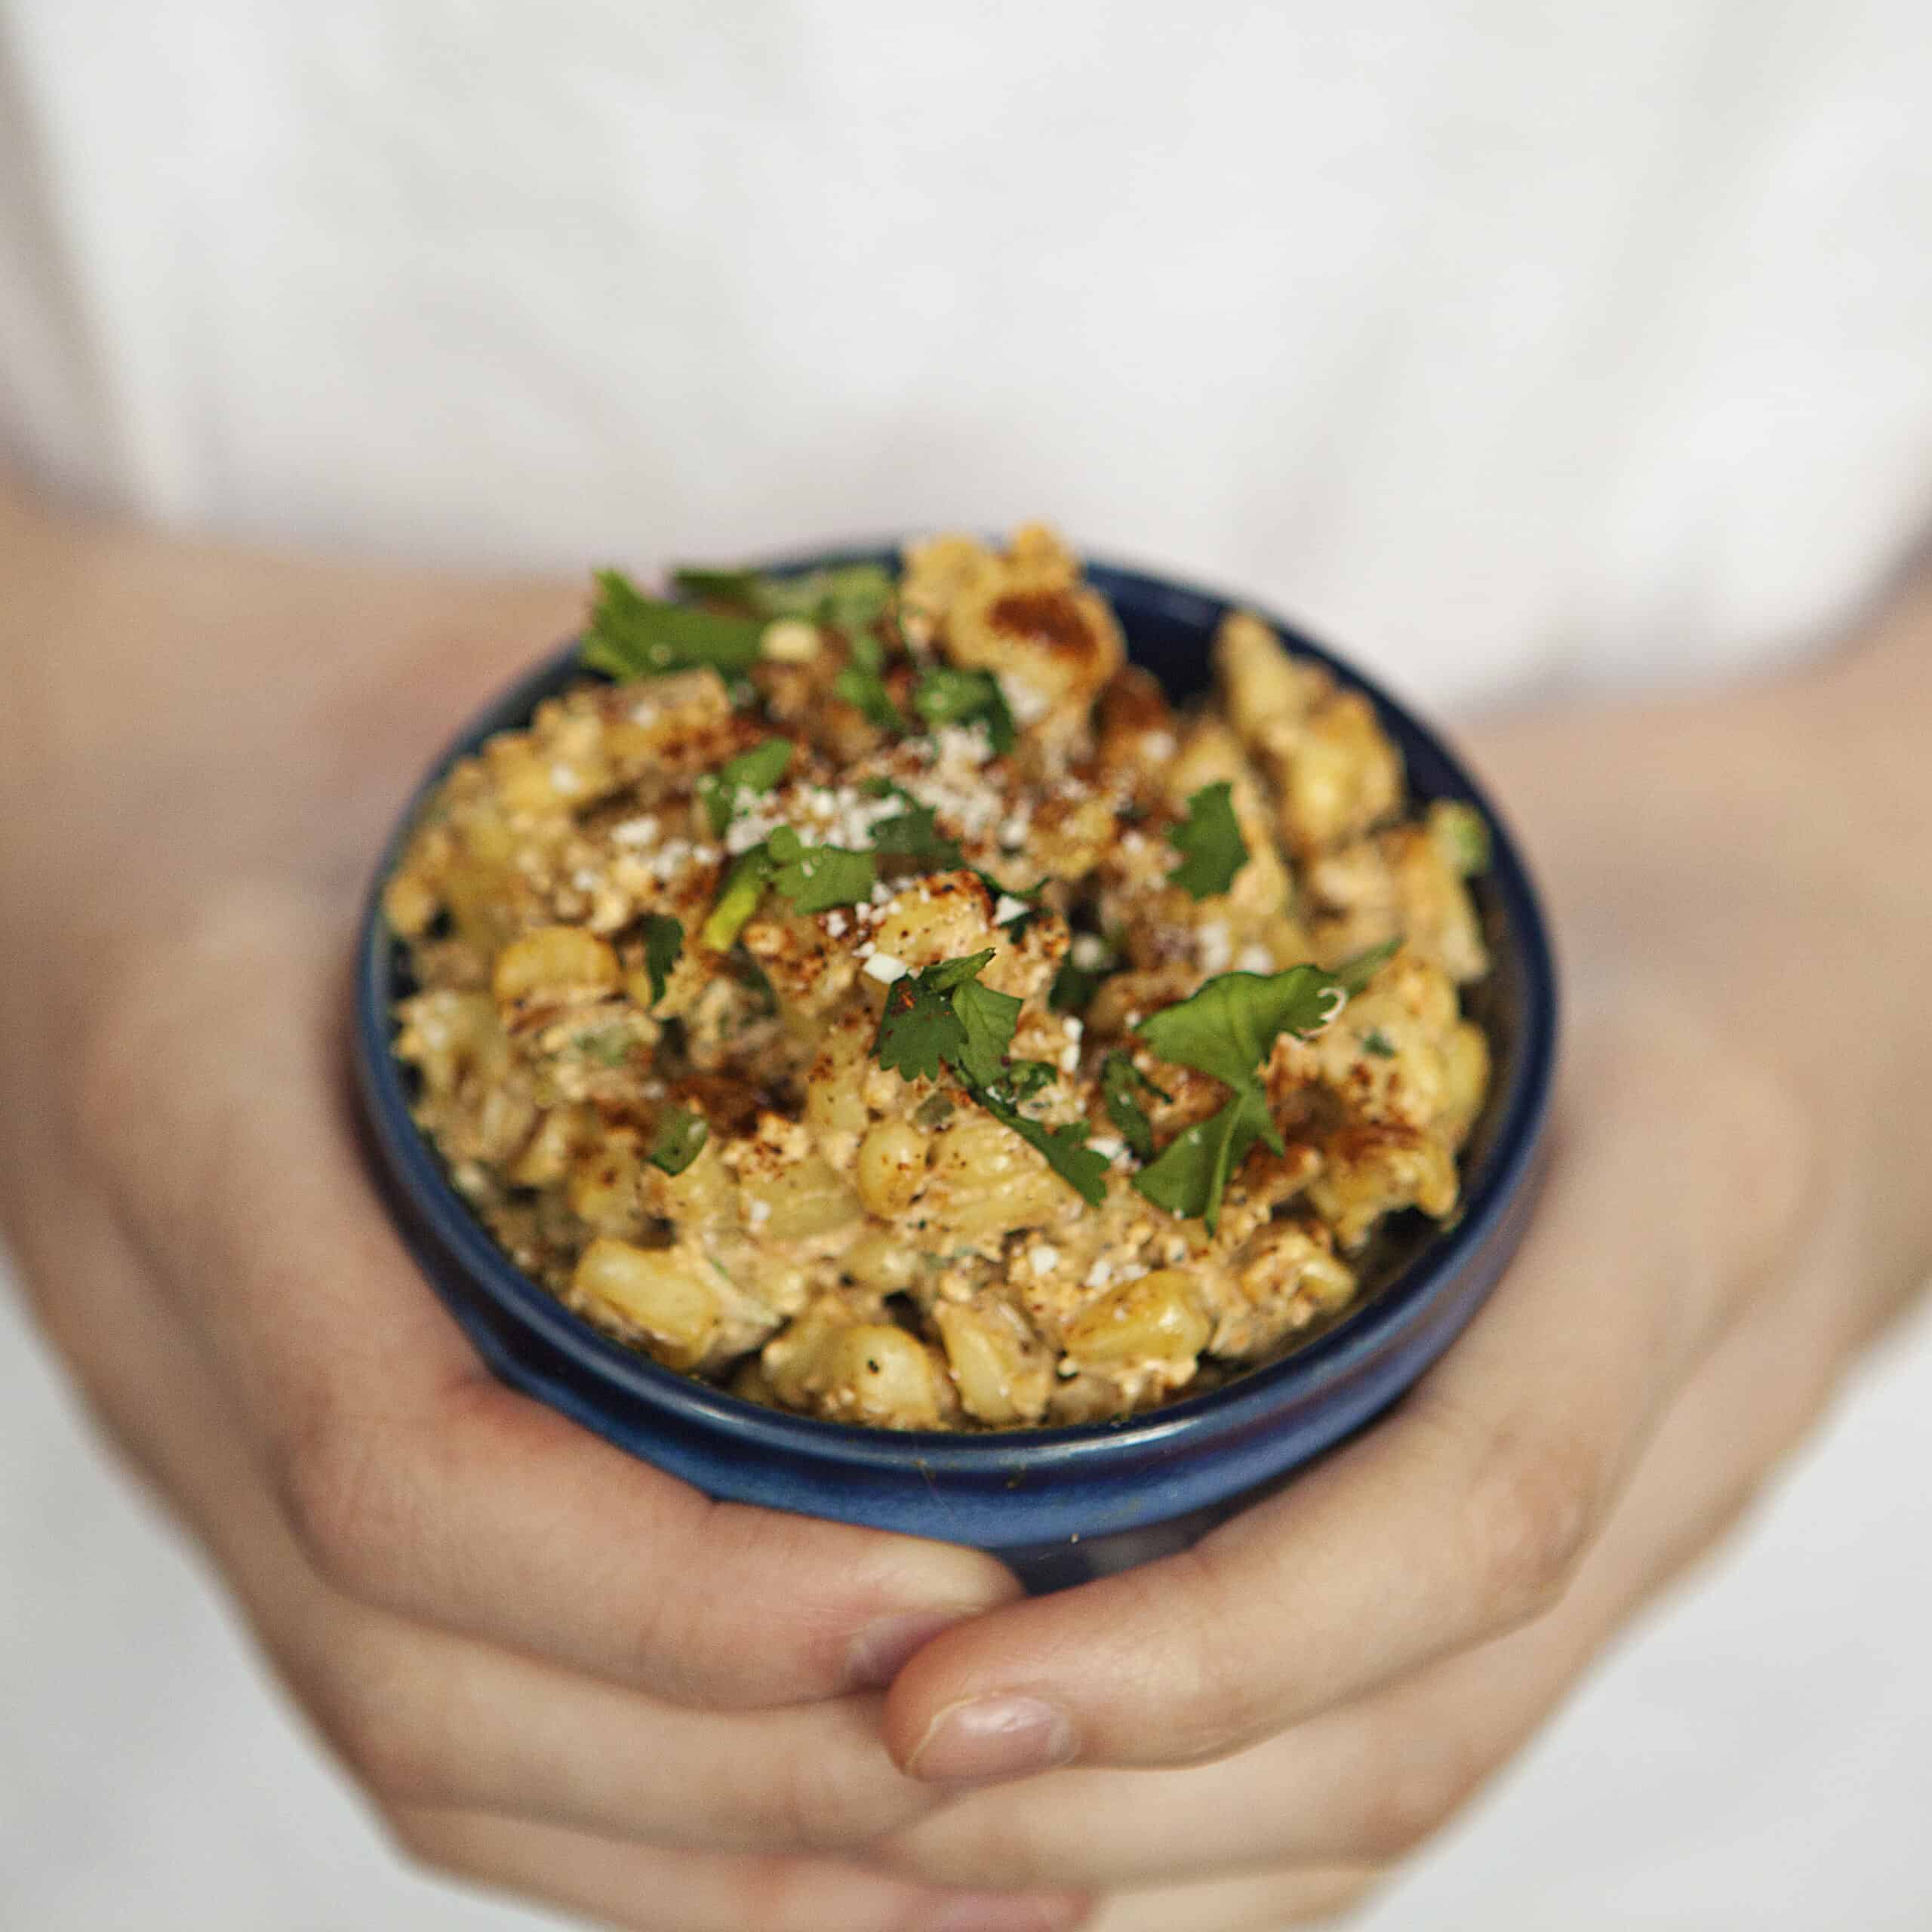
{"points": [[1414, 1797], [1529, 1513], [375, 1733], [327, 1478]]}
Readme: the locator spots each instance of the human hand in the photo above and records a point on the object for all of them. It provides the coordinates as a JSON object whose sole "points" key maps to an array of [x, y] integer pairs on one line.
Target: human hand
{"points": [[1736, 1204], [552, 1667]]}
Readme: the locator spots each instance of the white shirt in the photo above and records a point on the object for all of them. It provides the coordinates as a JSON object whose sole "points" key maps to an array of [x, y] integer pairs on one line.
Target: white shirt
{"points": [[1501, 342]]}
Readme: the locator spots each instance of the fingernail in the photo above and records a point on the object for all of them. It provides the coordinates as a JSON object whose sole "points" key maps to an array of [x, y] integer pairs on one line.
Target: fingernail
{"points": [[992, 1737], [881, 1651], [1004, 1911]]}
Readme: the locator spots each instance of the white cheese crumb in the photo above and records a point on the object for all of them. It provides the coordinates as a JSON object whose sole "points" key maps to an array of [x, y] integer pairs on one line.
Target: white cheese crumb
{"points": [[885, 968], [1091, 951], [644, 712], [1110, 1147], [563, 779], [758, 1212], [1102, 1272], [1074, 1027], [863, 950], [1255, 959], [790, 641], [1211, 939], [1009, 908], [1025, 700], [1069, 1059], [1157, 746], [1044, 1259], [635, 832], [835, 925], [584, 879], [1014, 828]]}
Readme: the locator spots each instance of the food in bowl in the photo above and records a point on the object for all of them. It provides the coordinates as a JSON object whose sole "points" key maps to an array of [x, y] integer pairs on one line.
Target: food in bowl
{"points": [[867, 992]]}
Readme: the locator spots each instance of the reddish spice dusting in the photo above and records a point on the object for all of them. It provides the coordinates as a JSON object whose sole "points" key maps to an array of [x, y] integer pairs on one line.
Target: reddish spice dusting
{"points": [[1051, 617]]}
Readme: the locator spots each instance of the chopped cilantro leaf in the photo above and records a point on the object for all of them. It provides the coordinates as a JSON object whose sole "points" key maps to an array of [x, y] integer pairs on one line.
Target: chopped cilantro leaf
{"points": [[1229, 1028], [987, 1019], [913, 835], [817, 878], [1190, 1175], [849, 596], [1377, 1043], [1119, 1079], [750, 772], [631, 635], [1066, 1148], [1210, 842], [947, 696], [1074, 985], [943, 1017], [1023, 1078], [1353, 974], [863, 683], [679, 1141], [663, 941]]}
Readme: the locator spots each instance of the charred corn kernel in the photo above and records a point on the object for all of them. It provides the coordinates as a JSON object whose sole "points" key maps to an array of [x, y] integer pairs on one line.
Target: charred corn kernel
{"points": [[892, 1166], [873, 1373], [553, 963], [1001, 1371], [800, 1201], [673, 1309], [1158, 1317]]}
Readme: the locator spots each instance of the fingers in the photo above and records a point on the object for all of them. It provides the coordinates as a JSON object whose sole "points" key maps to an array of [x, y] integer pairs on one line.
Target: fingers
{"points": [[1369, 1782], [412, 1480], [626, 1884], [1463, 1513], [1264, 1904]]}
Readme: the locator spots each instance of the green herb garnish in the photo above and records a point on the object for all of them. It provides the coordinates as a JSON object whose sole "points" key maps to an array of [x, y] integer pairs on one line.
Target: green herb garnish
{"points": [[943, 1018], [914, 836], [947, 696], [847, 597], [1120, 1080], [1378, 1043], [631, 635], [1461, 834], [663, 941], [1228, 1030], [863, 683], [1074, 986], [1210, 842], [750, 774], [815, 878], [679, 1141]]}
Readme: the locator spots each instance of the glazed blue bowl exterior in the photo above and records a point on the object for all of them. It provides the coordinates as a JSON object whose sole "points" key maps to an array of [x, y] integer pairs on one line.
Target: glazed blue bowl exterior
{"points": [[1059, 1504]]}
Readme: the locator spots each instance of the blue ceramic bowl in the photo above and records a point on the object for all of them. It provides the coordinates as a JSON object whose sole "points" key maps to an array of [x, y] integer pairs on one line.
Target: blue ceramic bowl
{"points": [[1060, 1504]]}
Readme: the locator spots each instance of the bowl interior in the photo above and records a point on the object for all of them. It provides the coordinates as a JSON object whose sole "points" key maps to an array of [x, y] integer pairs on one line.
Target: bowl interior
{"points": [[1168, 628]]}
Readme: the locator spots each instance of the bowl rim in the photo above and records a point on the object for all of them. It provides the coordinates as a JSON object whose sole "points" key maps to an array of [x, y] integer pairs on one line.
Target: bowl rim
{"points": [[1250, 1399]]}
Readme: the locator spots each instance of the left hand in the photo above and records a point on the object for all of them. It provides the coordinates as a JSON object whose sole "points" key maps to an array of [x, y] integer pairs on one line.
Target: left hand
{"points": [[1736, 1204]]}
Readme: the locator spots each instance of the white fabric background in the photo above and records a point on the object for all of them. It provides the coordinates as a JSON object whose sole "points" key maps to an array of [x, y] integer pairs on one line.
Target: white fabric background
{"points": [[1501, 340], [1756, 1759]]}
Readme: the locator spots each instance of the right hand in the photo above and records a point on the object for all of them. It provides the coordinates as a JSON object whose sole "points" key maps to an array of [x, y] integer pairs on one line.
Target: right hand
{"points": [[552, 1667]]}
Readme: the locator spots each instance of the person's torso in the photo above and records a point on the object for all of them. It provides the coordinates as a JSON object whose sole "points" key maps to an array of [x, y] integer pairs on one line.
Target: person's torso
{"points": [[1500, 341]]}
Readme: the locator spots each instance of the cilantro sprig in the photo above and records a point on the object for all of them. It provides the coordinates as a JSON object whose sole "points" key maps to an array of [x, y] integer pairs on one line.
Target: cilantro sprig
{"points": [[815, 878], [863, 683], [1121, 1083], [845, 596], [1227, 1030], [943, 1018], [631, 635], [1210, 842], [946, 695], [750, 774], [663, 941]]}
